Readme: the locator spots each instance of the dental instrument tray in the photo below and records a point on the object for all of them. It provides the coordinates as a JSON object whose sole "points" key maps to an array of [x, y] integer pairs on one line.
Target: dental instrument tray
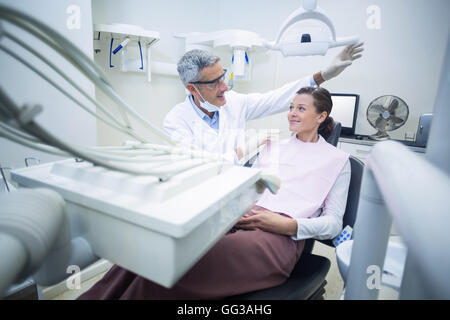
{"points": [[156, 229], [154, 209]]}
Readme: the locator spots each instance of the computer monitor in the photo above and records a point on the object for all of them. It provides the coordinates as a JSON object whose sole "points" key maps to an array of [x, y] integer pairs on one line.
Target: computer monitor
{"points": [[345, 110]]}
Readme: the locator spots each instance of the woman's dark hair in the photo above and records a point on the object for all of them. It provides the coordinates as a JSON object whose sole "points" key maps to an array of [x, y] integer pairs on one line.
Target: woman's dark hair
{"points": [[322, 102]]}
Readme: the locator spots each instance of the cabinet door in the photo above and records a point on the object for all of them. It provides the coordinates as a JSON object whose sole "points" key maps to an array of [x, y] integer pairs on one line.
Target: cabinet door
{"points": [[357, 150]]}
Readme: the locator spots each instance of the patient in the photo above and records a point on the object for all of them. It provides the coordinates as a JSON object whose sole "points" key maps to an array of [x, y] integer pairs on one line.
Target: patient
{"points": [[266, 243]]}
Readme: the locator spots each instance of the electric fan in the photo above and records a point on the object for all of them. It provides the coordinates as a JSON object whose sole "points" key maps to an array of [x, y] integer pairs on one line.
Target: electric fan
{"points": [[386, 113]]}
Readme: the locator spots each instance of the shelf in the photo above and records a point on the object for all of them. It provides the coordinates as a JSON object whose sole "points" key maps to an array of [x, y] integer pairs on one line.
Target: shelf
{"points": [[118, 30]]}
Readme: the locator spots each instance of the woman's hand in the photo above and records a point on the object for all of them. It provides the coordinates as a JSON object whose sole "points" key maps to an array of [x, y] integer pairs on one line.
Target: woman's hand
{"points": [[268, 221]]}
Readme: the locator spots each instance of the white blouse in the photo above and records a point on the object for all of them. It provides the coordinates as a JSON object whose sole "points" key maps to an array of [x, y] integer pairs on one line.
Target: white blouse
{"points": [[326, 223]]}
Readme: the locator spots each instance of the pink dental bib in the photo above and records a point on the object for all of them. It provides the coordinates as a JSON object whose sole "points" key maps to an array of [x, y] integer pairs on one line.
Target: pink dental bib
{"points": [[308, 171]]}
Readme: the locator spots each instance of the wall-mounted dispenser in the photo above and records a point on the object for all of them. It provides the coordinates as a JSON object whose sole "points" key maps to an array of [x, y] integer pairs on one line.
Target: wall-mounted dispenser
{"points": [[241, 64], [129, 46]]}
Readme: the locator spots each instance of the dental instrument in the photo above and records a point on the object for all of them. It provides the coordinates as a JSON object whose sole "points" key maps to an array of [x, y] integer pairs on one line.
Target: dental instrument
{"points": [[122, 45]]}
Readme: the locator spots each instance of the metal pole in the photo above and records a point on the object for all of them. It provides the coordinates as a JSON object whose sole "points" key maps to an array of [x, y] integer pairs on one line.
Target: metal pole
{"points": [[371, 235], [412, 287], [438, 146], [4, 177]]}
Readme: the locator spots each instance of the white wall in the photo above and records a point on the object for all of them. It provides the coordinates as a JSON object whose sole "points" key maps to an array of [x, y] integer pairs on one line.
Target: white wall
{"points": [[152, 100], [404, 57], [60, 115]]}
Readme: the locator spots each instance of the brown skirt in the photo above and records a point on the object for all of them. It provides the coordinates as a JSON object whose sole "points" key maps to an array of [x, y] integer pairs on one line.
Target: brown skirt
{"points": [[242, 261]]}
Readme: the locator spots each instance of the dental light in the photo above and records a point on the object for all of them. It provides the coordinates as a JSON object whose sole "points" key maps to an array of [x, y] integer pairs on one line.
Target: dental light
{"points": [[311, 41], [308, 43]]}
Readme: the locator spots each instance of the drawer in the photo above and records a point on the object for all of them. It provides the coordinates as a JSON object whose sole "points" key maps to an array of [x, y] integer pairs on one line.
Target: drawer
{"points": [[357, 150]]}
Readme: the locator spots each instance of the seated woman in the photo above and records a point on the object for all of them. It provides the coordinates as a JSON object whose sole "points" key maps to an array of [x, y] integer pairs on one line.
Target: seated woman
{"points": [[266, 243]]}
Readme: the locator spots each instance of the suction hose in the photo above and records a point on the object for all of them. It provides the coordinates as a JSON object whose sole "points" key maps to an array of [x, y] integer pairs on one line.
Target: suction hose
{"points": [[35, 238]]}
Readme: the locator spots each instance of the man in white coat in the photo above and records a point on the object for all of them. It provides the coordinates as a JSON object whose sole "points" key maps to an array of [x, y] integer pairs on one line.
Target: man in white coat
{"points": [[213, 119]]}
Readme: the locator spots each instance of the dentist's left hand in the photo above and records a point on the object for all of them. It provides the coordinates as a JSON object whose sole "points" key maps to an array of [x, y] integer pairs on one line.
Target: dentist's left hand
{"points": [[343, 60]]}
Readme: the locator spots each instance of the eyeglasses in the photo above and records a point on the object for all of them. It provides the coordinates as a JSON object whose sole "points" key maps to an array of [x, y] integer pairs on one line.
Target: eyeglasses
{"points": [[213, 84]]}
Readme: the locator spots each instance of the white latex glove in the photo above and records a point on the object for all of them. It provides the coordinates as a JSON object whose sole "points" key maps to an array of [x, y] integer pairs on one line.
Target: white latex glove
{"points": [[342, 61]]}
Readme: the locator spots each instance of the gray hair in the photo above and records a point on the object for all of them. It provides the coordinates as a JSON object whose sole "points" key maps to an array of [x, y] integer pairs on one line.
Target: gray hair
{"points": [[192, 62]]}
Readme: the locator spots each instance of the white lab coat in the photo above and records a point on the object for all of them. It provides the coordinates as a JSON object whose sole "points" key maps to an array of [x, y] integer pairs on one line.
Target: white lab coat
{"points": [[184, 125]]}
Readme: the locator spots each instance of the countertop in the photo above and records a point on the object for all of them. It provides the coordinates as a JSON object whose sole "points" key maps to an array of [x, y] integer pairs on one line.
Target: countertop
{"points": [[365, 140]]}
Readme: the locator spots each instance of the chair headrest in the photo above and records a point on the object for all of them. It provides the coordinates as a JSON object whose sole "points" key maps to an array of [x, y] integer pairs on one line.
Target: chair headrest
{"points": [[333, 138]]}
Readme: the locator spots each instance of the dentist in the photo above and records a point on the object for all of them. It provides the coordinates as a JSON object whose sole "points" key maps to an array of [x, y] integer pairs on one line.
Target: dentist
{"points": [[213, 119]]}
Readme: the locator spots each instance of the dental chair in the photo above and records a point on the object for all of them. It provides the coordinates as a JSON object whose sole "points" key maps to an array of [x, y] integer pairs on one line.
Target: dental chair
{"points": [[333, 139], [307, 280]]}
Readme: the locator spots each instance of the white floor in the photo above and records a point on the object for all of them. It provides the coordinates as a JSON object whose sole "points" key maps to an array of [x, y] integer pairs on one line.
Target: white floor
{"points": [[335, 285]]}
